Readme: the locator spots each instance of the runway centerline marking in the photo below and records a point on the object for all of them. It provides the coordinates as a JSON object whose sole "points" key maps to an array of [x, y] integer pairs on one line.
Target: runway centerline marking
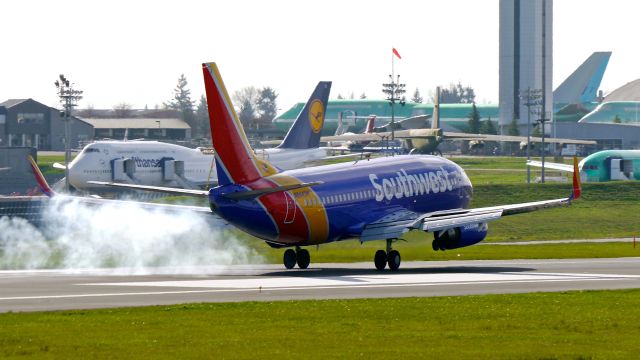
{"points": [[274, 284], [359, 280]]}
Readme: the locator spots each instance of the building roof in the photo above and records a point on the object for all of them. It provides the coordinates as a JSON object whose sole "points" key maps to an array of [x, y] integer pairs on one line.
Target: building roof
{"points": [[12, 102], [137, 123], [628, 92]]}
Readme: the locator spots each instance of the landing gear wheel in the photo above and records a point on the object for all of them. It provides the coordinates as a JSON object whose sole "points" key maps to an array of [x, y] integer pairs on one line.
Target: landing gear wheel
{"points": [[289, 259], [394, 260], [303, 258], [380, 259]]}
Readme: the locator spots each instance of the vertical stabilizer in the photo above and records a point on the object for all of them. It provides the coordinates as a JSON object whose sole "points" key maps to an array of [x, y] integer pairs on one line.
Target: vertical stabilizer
{"points": [[582, 85], [371, 124], [305, 131], [235, 160]]}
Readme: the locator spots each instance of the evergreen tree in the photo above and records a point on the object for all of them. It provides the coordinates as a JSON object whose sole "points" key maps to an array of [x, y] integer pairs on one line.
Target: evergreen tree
{"points": [[617, 120], [488, 127], [182, 102], [363, 96], [513, 130], [536, 131], [340, 97], [352, 96], [417, 98], [202, 118], [247, 113], [474, 120], [267, 107]]}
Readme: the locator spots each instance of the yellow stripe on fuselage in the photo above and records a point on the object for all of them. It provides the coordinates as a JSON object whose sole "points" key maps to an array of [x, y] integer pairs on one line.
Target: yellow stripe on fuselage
{"points": [[313, 209]]}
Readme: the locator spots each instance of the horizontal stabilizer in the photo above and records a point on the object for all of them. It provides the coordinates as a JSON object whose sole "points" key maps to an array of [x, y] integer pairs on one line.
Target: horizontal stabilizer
{"points": [[252, 194], [161, 189], [355, 156], [550, 165]]}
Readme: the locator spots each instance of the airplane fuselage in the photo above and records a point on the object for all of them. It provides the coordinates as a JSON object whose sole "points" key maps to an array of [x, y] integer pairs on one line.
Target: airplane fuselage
{"points": [[350, 196], [609, 165], [95, 163]]}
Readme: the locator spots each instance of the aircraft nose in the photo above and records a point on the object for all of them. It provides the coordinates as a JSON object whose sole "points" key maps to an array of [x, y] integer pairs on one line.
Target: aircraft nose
{"points": [[74, 175]]}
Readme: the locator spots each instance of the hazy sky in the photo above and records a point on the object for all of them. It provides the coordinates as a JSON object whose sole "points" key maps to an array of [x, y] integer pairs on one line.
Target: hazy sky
{"points": [[134, 51]]}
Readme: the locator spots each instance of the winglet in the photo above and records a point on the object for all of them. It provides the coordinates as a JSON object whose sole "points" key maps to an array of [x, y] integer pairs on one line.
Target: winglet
{"points": [[42, 182], [576, 180]]}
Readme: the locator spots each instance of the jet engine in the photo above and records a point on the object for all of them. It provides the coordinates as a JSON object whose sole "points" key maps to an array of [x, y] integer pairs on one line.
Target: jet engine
{"points": [[459, 237]]}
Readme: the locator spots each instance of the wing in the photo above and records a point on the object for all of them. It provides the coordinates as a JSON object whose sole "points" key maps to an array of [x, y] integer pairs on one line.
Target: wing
{"points": [[93, 201], [161, 189], [396, 224], [448, 219], [550, 165], [508, 138]]}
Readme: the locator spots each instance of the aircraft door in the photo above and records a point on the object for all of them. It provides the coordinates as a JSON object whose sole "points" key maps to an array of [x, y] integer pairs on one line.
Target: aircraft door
{"points": [[616, 169], [290, 214]]}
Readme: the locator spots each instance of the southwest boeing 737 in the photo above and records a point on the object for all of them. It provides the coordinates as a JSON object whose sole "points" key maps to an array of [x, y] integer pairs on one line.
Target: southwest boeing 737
{"points": [[376, 199]]}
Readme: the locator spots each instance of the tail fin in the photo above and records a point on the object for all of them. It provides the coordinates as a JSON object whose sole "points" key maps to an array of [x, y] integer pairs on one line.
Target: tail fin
{"points": [[42, 182], [575, 194], [435, 119], [305, 131], [582, 85], [371, 123], [235, 160]]}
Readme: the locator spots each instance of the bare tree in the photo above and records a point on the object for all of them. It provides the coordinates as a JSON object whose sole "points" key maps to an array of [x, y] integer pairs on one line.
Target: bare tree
{"points": [[122, 110]]}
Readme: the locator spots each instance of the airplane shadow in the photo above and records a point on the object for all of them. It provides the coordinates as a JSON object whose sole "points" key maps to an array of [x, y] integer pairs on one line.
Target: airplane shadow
{"points": [[350, 272]]}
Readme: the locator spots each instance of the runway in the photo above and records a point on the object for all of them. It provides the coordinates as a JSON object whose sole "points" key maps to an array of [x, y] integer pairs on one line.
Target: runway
{"points": [[106, 288]]}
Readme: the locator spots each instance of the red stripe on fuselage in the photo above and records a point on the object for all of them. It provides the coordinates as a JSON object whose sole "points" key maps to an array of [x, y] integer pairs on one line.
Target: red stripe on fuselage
{"points": [[287, 215], [226, 132]]}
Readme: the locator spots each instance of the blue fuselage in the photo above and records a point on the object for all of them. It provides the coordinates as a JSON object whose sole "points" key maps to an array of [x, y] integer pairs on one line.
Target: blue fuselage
{"points": [[351, 196]]}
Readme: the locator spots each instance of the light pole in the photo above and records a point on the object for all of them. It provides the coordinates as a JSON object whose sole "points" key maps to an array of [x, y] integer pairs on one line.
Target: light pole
{"points": [[531, 97], [394, 91], [69, 98], [542, 120]]}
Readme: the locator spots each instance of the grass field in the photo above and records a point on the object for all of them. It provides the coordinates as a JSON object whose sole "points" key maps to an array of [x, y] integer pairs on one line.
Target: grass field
{"points": [[568, 325]]}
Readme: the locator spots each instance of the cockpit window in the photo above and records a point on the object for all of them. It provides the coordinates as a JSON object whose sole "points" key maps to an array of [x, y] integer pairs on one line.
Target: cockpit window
{"points": [[88, 150]]}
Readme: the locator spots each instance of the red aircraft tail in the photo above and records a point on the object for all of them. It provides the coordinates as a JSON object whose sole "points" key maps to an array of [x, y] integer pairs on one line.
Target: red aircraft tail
{"points": [[235, 160], [577, 190]]}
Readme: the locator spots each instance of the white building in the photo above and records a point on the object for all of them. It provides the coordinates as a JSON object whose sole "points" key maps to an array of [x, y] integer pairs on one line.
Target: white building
{"points": [[526, 58]]}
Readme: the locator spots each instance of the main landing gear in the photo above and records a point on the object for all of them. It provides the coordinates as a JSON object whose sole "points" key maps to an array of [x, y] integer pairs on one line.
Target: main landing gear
{"points": [[391, 257], [299, 256]]}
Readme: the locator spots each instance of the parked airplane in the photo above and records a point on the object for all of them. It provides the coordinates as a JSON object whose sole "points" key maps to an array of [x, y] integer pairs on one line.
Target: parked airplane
{"points": [[426, 141], [603, 165], [161, 164], [376, 199], [580, 87]]}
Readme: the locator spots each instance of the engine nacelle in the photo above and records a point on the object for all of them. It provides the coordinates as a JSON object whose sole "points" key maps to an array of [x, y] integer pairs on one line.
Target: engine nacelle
{"points": [[459, 237]]}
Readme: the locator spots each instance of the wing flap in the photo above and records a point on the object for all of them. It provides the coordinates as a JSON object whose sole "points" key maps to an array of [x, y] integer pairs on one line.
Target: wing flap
{"points": [[458, 220]]}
